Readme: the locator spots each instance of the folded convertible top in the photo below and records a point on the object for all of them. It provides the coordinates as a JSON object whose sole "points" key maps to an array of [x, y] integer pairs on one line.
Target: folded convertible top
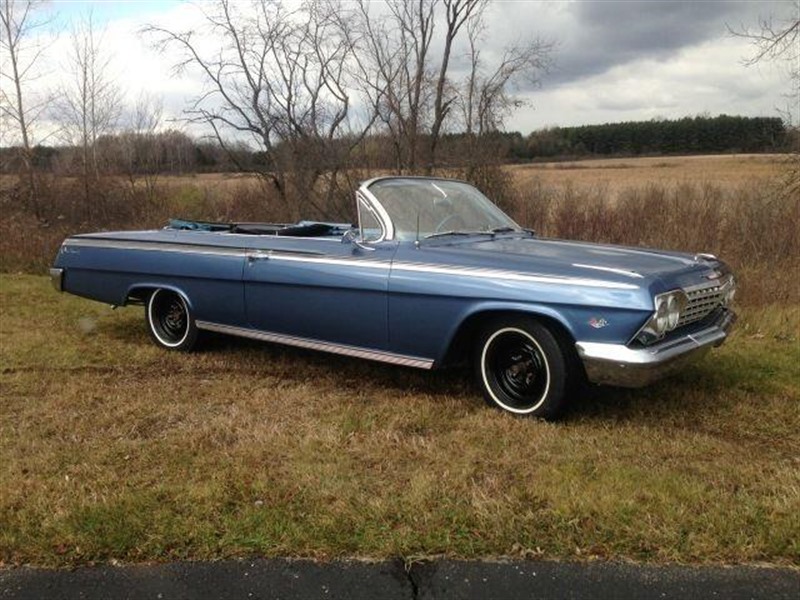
{"points": [[301, 229]]}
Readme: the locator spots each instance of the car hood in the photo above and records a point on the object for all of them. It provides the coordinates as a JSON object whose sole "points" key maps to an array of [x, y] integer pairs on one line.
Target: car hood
{"points": [[577, 259]]}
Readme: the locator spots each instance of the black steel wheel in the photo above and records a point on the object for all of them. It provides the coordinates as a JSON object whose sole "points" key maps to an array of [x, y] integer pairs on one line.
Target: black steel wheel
{"points": [[170, 320], [521, 368]]}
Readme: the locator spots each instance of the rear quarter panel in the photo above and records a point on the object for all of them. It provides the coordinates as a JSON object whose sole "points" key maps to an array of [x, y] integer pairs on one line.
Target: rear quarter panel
{"points": [[109, 269]]}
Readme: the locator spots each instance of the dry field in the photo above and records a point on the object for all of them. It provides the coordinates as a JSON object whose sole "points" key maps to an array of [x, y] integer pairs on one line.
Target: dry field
{"points": [[727, 171], [112, 449]]}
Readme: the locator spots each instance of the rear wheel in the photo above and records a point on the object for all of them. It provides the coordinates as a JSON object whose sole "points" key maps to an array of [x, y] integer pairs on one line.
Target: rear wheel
{"points": [[521, 368], [170, 320]]}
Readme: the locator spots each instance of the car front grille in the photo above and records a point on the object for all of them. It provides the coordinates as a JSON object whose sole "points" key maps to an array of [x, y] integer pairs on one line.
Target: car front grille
{"points": [[703, 300]]}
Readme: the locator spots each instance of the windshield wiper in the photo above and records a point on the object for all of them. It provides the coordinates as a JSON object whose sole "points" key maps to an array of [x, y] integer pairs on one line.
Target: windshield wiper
{"points": [[491, 232], [455, 232]]}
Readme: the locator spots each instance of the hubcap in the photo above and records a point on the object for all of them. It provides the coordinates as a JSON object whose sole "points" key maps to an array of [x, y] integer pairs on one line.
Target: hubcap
{"points": [[169, 317], [174, 320], [516, 370]]}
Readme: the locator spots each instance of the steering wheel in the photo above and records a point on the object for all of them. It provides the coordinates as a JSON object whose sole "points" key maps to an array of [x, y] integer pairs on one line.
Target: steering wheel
{"points": [[451, 217]]}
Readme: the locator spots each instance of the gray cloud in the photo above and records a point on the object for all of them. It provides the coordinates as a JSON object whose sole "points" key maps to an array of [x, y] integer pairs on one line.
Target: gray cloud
{"points": [[595, 36]]}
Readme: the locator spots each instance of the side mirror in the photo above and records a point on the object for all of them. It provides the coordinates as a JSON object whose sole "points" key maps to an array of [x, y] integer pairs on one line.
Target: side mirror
{"points": [[351, 236]]}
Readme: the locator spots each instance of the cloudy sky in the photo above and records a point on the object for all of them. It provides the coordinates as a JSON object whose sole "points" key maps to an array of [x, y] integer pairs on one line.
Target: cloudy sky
{"points": [[614, 60]]}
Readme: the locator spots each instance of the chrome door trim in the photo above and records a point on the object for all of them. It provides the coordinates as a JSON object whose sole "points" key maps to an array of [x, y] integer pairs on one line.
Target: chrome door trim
{"points": [[311, 344]]}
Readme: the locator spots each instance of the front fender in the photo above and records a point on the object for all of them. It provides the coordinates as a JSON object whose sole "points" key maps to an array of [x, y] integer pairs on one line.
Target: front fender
{"points": [[482, 310], [581, 323]]}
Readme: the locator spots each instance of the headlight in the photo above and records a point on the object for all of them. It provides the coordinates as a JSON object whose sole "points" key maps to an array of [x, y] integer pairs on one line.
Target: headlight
{"points": [[662, 317], [674, 309], [667, 315]]}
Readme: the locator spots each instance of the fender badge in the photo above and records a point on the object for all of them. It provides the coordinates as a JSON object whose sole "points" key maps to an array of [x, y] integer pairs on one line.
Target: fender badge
{"points": [[598, 323]]}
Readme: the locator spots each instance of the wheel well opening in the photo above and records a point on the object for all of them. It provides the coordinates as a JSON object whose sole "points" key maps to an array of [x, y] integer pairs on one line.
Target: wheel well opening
{"points": [[459, 351], [139, 295]]}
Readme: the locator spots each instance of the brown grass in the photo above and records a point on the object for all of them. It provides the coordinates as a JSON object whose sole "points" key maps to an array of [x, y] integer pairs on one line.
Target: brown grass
{"points": [[114, 449], [616, 175]]}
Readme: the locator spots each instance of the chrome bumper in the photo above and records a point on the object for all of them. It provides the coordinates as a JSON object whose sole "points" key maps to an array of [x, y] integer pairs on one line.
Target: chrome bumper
{"points": [[57, 279], [617, 364]]}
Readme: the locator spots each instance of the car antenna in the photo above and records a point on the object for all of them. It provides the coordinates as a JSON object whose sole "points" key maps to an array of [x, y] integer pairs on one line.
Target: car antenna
{"points": [[416, 241]]}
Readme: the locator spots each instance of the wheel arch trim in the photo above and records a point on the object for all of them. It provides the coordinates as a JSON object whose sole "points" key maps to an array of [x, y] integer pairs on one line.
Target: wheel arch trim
{"points": [[154, 286], [477, 313]]}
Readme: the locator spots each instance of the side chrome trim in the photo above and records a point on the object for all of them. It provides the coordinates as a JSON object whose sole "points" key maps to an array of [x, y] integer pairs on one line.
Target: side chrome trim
{"points": [[280, 255], [625, 272], [510, 275], [153, 246], [289, 340], [57, 279]]}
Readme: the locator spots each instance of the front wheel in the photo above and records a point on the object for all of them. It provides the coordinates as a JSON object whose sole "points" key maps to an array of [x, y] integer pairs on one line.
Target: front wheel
{"points": [[170, 321], [521, 368]]}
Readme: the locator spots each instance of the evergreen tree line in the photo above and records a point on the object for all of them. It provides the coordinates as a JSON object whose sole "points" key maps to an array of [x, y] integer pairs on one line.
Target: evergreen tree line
{"points": [[689, 135]]}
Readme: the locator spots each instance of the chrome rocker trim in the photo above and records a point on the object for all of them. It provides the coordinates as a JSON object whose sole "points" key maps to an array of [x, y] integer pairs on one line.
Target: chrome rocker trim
{"points": [[619, 365], [290, 340]]}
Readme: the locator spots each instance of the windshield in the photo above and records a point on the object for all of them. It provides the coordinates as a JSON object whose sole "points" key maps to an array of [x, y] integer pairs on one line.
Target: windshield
{"points": [[421, 208]]}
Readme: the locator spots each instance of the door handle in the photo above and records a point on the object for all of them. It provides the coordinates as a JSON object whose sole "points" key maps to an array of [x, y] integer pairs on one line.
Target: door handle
{"points": [[258, 255]]}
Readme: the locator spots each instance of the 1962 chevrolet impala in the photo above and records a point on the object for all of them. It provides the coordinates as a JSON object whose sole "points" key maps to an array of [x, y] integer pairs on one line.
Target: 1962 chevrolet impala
{"points": [[434, 273]]}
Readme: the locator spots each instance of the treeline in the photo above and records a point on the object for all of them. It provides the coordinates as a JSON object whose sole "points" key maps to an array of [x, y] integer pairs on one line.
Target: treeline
{"points": [[689, 135], [175, 152], [169, 152]]}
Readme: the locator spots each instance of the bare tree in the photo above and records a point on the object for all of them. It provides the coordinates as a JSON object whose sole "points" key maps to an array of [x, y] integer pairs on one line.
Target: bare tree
{"points": [[779, 40], [393, 52], [279, 80], [20, 53], [416, 85], [306, 84], [776, 40], [90, 102], [458, 12], [141, 147]]}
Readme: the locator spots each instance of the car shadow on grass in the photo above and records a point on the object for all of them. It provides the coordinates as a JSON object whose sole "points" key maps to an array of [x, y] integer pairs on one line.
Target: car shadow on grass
{"points": [[695, 390], [699, 389]]}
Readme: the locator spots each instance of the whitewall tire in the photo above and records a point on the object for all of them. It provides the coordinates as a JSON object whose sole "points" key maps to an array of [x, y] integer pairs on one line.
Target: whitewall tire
{"points": [[170, 320], [521, 368]]}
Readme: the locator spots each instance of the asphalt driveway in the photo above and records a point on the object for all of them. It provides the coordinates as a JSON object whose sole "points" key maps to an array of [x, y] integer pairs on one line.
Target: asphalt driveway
{"points": [[290, 579]]}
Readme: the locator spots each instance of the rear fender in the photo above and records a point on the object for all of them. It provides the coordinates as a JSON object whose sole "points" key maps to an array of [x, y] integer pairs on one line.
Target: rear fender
{"points": [[137, 288]]}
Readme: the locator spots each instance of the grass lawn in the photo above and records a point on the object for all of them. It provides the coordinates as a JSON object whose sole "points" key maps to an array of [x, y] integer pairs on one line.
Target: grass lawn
{"points": [[113, 449]]}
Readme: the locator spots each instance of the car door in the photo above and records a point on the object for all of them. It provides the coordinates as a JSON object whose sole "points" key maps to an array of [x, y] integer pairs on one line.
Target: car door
{"points": [[327, 289]]}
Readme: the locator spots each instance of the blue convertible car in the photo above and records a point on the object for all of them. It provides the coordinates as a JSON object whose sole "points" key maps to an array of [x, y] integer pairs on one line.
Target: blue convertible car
{"points": [[433, 274]]}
